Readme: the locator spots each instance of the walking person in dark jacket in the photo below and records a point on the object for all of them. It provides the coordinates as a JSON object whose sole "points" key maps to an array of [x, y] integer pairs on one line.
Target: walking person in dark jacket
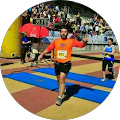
{"points": [[25, 47]]}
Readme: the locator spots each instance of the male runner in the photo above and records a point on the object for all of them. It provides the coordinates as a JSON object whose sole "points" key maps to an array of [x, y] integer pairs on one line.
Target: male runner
{"points": [[63, 48]]}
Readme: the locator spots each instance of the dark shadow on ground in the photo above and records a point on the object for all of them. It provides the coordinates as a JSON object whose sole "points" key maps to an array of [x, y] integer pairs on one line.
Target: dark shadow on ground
{"points": [[72, 90], [109, 76], [3, 64], [93, 58]]}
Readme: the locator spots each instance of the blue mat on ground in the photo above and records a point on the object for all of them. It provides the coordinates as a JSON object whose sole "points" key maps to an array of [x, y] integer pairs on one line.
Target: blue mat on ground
{"points": [[79, 77], [78, 91]]}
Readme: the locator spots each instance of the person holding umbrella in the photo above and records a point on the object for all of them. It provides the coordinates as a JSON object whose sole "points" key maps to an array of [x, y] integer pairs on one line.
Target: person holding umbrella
{"points": [[31, 30], [63, 48], [25, 47]]}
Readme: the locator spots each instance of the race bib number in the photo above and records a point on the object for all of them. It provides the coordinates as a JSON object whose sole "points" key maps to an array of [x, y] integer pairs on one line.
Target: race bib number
{"points": [[62, 54]]}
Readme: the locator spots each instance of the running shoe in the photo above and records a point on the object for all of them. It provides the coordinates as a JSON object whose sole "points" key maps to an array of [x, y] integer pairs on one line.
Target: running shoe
{"points": [[64, 94], [113, 73], [59, 101], [22, 62], [103, 79]]}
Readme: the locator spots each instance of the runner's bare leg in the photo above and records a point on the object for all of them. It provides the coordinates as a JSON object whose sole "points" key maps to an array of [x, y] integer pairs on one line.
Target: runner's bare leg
{"points": [[62, 84], [103, 74], [58, 78]]}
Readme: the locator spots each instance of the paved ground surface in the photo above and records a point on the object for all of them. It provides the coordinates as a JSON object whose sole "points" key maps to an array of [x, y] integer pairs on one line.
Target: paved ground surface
{"points": [[42, 101]]}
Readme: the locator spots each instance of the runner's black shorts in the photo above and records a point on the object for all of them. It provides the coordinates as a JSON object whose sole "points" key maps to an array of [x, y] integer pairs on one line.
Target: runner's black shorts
{"points": [[62, 67], [105, 63]]}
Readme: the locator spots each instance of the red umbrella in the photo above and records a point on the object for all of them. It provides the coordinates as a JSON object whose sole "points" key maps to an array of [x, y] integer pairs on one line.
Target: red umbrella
{"points": [[34, 30]]}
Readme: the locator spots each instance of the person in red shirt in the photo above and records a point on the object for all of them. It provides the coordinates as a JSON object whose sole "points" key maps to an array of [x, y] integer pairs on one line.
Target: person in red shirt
{"points": [[57, 19], [63, 48]]}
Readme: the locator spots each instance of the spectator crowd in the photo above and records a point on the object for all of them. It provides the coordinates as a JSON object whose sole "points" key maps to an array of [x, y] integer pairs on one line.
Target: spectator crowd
{"points": [[58, 16]]}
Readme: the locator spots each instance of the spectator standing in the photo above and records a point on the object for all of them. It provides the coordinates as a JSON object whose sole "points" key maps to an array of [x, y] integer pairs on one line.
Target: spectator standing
{"points": [[25, 17], [31, 18], [62, 17], [90, 27], [82, 27], [65, 13], [57, 9], [25, 47], [74, 27], [86, 27], [49, 6], [97, 29], [57, 18], [78, 19], [30, 9], [50, 27], [42, 6]]}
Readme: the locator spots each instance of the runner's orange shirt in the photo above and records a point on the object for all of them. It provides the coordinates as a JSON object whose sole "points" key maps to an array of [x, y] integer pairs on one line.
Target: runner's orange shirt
{"points": [[63, 48]]}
